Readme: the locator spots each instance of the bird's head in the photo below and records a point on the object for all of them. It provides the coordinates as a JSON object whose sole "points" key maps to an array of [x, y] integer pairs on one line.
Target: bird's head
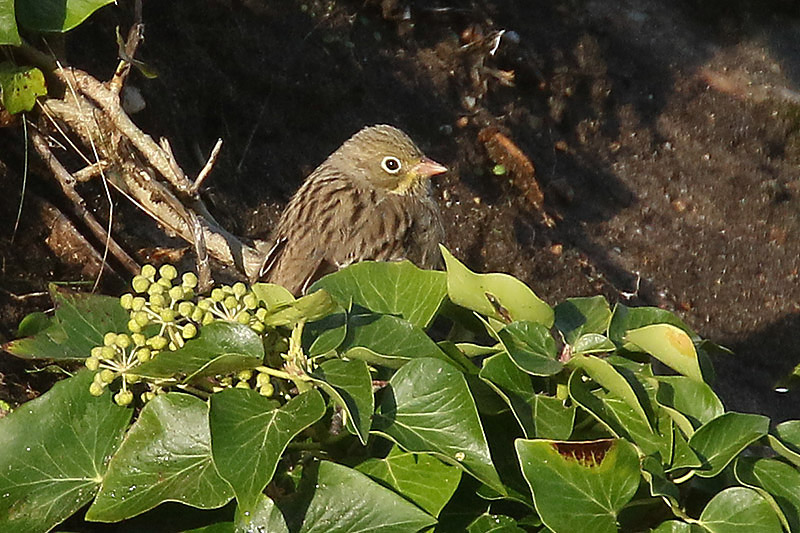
{"points": [[386, 159]]}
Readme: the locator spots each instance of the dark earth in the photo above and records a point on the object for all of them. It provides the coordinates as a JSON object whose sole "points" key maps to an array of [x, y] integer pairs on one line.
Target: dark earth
{"points": [[665, 137]]}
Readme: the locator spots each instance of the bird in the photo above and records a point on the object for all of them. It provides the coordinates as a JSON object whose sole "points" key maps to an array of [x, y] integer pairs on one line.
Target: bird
{"points": [[369, 200]]}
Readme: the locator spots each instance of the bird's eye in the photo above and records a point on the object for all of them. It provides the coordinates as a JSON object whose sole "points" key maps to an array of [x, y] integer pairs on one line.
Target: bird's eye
{"points": [[391, 164]]}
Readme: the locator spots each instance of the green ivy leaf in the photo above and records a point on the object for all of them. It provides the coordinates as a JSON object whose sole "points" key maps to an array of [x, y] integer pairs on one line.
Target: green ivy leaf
{"points": [[499, 296], [579, 485], [670, 345], [350, 385], [531, 347], [739, 510], [265, 516], [389, 336], [54, 453], [368, 506], [626, 318], [604, 374], [777, 482], [221, 347], [8, 24], [427, 407], [575, 317], [56, 15], [397, 288], [689, 397], [787, 442], [492, 523], [80, 322], [423, 479], [718, 441], [249, 434], [539, 415], [20, 86], [166, 456], [676, 526]]}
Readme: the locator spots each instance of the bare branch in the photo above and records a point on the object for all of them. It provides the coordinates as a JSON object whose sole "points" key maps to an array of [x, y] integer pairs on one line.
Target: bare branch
{"points": [[67, 182], [206, 169]]}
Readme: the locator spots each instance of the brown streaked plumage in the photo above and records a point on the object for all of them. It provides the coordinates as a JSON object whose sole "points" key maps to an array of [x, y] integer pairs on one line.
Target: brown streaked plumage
{"points": [[370, 200]]}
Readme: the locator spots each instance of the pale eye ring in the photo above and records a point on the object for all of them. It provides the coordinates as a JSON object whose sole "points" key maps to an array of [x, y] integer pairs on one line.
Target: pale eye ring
{"points": [[391, 164]]}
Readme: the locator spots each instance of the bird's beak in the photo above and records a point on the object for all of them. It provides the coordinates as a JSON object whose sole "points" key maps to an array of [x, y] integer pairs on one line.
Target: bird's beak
{"points": [[428, 167]]}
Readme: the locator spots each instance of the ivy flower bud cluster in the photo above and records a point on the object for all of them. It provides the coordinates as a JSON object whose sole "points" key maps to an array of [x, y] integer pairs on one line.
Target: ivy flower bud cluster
{"points": [[236, 303]]}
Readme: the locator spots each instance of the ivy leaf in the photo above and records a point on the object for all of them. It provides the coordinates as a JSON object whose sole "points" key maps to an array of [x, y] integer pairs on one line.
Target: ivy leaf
{"points": [[396, 288], [80, 322], [350, 385], [579, 485], [427, 407], [166, 456], [499, 296], [8, 24], [249, 434], [54, 453], [20, 86], [423, 479], [343, 499], [56, 15], [221, 347]]}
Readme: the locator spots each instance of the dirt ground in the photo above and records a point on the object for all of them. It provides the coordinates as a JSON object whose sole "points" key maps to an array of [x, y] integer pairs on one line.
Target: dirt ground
{"points": [[665, 137]]}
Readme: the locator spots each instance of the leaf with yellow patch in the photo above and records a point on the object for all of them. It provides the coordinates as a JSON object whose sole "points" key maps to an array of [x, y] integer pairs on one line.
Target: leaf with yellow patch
{"points": [[670, 345]]}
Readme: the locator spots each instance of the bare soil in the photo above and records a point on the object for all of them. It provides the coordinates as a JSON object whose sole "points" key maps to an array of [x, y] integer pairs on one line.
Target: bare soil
{"points": [[665, 136]]}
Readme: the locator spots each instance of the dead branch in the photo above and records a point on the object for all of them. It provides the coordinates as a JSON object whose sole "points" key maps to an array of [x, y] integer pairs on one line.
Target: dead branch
{"points": [[139, 168]]}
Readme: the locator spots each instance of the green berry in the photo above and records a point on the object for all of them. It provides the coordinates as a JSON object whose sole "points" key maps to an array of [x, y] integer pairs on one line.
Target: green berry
{"points": [[97, 351], [108, 353], [168, 271], [134, 326], [138, 303], [138, 339], [164, 282], [186, 309], [156, 288], [243, 317], [262, 379], [197, 314], [261, 313], [95, 389], [92, 363], [189, 280], [242, 385], [109, 339], [146, 396], [106, 375], [189, 331], [230, 302], [140, 284], [123, 341], [244, 375], [239, 289], [141, 318], [208, 318], [143, 354], [157, 302], [149, 271], [250, 301], [123, 397], [205, 304], [217, 295], [167, 314], [267, 390], [130, 379], [158, 342], [258, 327], [126, 300], [176, 293]]}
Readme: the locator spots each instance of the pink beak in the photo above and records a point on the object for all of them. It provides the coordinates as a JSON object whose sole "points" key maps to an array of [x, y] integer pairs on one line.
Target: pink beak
{"points": [[428, 167]]}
